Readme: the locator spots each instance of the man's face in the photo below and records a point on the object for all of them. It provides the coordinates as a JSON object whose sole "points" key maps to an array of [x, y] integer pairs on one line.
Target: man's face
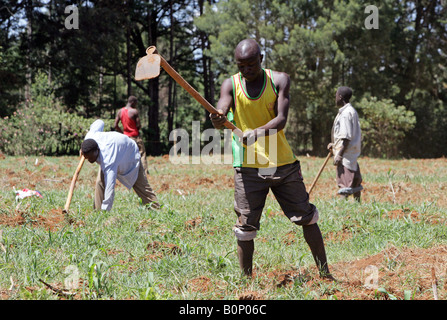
{"points": [[250, 67], [91, 156], [339, 99]]}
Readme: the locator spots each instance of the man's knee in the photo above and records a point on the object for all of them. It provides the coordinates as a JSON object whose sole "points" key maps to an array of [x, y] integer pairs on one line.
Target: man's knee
{"points": [[315, 217], [244, 235], [306, 220]]}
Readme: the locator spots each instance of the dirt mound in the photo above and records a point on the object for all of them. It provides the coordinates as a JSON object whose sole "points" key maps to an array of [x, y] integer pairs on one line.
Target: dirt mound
{"points": [[415, 270], [158, 250], [52, 220], [200, 284], [394, 273]]}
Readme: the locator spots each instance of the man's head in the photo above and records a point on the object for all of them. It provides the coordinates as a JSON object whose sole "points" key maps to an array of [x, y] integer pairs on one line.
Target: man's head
{"points": [[132, 101], [248, 59], [90, 150], [343, 95]]}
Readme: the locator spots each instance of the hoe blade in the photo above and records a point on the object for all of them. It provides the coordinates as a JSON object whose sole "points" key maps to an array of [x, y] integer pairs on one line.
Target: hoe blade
{"points": [[148, 67]]}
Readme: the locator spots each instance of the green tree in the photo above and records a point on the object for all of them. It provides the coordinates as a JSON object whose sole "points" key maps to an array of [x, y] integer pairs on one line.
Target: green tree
{"points": [[383, 126], [12, 63], [77, 60], [321, 44], [42, 127], [325, 44], [292, 41], [402, 60]]}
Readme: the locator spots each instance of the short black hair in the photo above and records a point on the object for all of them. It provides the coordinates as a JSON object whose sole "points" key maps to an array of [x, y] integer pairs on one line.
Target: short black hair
{"points": [[132, 99], [345, 92], [88, 146]]}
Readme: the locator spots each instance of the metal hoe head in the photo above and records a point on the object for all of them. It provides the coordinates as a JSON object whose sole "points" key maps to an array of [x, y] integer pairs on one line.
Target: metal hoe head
{"points": [[148, 67]]}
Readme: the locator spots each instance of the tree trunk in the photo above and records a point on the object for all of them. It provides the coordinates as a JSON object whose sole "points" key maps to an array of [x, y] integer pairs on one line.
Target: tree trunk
{"points": [[171, 108], [153, 136], [317, 138], [29, 31], [208, 77], [129, 56]]}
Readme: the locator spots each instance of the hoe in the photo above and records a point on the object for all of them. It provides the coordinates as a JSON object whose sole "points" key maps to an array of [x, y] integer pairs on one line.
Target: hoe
{"points": [[148, 67]]}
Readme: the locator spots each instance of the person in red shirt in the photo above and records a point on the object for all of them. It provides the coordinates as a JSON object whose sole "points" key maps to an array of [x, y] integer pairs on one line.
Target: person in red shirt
{"points": [[130, 119]]}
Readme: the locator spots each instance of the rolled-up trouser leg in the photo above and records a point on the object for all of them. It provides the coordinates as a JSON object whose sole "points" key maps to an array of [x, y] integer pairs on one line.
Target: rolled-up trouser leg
{"points": [[249, 199], [244, 235], [294, 200], [349, 182]]}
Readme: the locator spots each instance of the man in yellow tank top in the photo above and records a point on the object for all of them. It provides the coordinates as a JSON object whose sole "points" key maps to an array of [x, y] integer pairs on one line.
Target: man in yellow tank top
{"points": [[257, 101]]}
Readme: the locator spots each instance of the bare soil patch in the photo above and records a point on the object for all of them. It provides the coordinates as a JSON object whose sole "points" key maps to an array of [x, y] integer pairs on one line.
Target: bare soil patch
{"points": [[158, 250], [417, 270], [200, 284], [52, 220], [398, 270]]}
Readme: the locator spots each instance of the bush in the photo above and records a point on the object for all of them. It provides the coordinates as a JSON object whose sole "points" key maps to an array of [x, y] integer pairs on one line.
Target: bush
{"points": [[43, 127], [383, 126]]}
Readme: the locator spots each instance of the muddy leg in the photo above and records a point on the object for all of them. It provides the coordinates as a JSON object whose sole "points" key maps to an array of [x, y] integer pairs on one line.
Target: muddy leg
{"points": [[314, 239], [245, 251]]}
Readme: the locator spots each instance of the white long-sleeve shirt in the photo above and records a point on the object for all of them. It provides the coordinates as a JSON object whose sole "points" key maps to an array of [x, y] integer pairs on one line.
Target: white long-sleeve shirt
{"points": [[119, 158], [347, 126]]}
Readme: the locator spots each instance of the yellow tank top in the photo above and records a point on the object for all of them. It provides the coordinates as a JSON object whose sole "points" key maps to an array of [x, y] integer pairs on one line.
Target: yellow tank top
{"points": [[253, 112]]}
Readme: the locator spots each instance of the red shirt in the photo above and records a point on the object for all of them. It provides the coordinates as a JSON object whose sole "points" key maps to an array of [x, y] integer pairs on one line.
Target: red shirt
{"points": [[129, 125]]}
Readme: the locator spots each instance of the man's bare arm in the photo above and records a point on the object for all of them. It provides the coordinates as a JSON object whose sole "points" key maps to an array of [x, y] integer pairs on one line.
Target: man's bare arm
{"points": [[117, 121], [136, 117], [223, 105]]}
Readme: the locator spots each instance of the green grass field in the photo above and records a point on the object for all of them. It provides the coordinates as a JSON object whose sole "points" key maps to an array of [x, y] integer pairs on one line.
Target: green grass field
{"points": [[186, 250]]}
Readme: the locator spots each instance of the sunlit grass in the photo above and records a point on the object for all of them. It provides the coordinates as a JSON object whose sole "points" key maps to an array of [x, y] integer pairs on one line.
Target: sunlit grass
{"points": [[186, 250]]}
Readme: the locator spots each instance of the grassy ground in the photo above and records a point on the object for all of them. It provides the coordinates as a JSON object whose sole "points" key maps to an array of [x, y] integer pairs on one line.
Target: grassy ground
{"points": [[186, 250]]}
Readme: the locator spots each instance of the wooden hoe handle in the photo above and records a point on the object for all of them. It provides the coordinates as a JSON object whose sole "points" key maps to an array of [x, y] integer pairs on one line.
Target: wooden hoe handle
{"points": [[73, 182], [319, 172], [193, 92]]}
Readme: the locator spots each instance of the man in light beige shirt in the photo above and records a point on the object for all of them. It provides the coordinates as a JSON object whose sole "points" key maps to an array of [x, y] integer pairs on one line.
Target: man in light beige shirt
{"points": [[346, 145]]}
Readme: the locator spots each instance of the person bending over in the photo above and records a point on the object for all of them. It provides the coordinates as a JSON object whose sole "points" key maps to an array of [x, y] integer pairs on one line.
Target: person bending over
{"points": [[119, 158]]}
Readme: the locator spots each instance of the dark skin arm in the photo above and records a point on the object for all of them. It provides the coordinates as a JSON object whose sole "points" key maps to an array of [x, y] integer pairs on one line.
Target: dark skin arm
{"points": [[223, 105], [117, 121], [134, 114], [339, 156], [282, 83]]}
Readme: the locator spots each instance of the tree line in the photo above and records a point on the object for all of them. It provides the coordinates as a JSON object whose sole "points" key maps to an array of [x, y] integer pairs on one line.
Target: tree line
{"points": [[76, 59]]}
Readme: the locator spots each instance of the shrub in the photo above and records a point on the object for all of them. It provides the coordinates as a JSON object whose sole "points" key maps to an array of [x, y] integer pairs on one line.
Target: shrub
{"points": [[383, 126], [43, 127]]}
